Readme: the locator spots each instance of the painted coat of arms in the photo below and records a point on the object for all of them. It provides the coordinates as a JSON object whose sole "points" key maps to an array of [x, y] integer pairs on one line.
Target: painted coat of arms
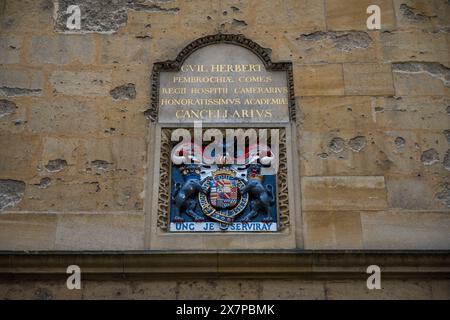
{"points": [[222, 197]]}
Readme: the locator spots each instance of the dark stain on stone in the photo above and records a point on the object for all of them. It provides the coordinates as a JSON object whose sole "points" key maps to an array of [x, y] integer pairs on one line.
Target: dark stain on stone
{"points": [[314, 36], [434, 69], [124, 92], [15, 92], [135, 5], [429, 157], [100, 165], [447, 135], [56, 165], [11, 193], [337, 145], [323, 155], [46, 5], [383, 161], [44, 183], [43, 294], [344, 41], [444, 194], [446, 161], [399, 142], [357, 143], [144, 37], [412, 14], [7, 107], [239, 23]]}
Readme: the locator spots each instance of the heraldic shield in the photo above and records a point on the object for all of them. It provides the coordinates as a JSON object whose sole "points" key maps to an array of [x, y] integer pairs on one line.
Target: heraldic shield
{"points": [[222, 197]]}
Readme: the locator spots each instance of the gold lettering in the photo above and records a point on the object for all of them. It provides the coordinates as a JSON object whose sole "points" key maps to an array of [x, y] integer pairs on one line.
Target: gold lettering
{"points": [[236, 68]]}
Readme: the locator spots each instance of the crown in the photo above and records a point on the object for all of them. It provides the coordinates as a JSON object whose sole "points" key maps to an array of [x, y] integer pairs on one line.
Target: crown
{"points": [[225, 172]]}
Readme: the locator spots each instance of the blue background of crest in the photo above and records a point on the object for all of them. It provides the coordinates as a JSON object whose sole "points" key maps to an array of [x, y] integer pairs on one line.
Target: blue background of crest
{"points": [[178, 178]]}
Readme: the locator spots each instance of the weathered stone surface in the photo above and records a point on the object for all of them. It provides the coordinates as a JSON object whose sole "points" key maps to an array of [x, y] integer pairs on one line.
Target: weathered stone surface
{"points": [[411, 113], [393, 289], [414, 193], [343, 193], [11, 193], [358, 143], [64, 186], [319, 80], [59, 116], [45, 183], [105, 16], [435, 70], [333, 47], [292, 290], [405, 230], [31, 16], [38, 290], [446, 161], [7, 107], [100, 232], [332, 230], [419, 84], [306, 15], [417, 45], [10, 49], [27, 232], [400, 142], [368, 79], [18, 156], [273, 289], [56, 165], [217, 290], [336, 145], [123, 154], [154, 289], [84, 83], [331, 153], [343, 41], [124, 92], [74, 127], [61, 50], [58, 153], [125, 50], [20, 82], [429, 157], [351, 15], [327, 113], [443, 195], [422, 14]]}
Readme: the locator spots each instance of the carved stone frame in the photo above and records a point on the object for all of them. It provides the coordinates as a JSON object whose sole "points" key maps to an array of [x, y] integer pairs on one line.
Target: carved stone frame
{"points": [[157, 192], [236, 39]]}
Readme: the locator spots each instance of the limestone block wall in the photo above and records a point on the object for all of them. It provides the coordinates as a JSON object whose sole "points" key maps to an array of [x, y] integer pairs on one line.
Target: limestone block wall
{"points": [[373, 116]]}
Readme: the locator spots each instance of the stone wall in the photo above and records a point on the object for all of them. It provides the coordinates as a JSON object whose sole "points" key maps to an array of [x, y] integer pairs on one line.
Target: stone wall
{"points": [[373, 124], [224, 289]]}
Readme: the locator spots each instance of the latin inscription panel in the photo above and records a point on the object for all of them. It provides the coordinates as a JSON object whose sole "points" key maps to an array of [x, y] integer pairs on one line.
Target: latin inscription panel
{"points": [[223, 83]]}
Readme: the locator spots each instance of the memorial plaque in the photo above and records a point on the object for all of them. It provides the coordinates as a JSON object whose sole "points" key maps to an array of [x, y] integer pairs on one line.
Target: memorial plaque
{"points": [[222, 183], [223, 83]]}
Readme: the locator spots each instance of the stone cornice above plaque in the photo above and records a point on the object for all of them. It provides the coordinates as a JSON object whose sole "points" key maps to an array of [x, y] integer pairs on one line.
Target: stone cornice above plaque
{"points": [[265, 95]]}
